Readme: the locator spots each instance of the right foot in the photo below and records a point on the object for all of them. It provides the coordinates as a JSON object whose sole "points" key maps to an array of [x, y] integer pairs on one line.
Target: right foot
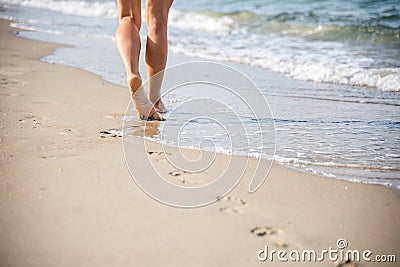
{"points": [[160, 107], [144, 108]]}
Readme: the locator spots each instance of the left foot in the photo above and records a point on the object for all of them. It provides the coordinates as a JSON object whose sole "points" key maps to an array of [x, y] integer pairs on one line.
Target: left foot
{"points": [[144, 108]]}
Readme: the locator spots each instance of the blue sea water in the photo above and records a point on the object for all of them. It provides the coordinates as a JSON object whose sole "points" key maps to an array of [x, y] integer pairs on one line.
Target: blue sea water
{"points": [[336, 107]]}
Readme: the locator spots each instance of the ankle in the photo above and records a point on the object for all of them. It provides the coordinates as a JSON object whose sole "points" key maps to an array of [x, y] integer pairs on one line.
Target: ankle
{"points": [[155, 99], [134, 82]]}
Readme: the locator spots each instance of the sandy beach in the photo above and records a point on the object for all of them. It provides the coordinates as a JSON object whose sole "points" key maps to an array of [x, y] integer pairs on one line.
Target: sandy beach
{"points": [[67, 197]]}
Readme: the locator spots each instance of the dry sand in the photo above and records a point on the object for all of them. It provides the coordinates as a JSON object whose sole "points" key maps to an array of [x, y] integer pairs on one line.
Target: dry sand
{"points": [[67, 198]]}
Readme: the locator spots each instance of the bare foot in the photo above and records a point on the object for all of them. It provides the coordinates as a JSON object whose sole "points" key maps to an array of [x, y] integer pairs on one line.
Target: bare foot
{"points": [[160, 107], [144, 108]]}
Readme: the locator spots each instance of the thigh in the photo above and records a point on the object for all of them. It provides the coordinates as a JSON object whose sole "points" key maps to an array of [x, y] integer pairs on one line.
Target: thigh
{"points": [[130, 8]]}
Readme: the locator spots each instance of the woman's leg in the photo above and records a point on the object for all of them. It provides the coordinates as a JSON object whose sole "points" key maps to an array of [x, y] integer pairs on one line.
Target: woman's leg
{"points": [[156, 47]]}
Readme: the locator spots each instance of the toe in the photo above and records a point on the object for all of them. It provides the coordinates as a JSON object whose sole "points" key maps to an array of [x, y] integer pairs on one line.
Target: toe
{"points": [[143, 117]]}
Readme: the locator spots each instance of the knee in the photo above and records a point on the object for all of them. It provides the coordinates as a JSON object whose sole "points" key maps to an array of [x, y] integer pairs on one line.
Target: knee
{"points": [[157, 24], [129, 21]]}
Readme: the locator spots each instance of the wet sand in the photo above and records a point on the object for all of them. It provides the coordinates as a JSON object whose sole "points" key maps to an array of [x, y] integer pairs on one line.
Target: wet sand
{"points": [[67, 198]]}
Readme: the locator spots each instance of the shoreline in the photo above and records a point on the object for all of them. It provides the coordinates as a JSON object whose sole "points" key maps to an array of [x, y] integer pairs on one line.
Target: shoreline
{"points": [[68, 198], [313, 125]]}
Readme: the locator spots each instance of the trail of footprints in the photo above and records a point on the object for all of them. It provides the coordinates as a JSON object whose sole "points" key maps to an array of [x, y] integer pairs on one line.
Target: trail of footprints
{"points": [[274, 233], [232, 204], [236, 205], [177, 174]]}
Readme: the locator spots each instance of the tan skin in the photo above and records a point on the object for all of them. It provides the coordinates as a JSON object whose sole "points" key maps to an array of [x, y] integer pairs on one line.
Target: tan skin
{"points": [[128, 45]]}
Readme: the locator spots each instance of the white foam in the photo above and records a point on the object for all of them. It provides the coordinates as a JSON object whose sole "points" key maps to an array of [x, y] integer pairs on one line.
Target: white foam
{"points": [[28, 27], [190, 20], [302, 163], [79, 8]]}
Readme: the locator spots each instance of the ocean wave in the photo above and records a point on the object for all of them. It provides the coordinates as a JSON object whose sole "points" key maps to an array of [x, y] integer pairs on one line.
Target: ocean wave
{"points": [[295, 24], [355, 34], [310, 68], [386, 79], [315, 52], [348, 54], [305, 24]]}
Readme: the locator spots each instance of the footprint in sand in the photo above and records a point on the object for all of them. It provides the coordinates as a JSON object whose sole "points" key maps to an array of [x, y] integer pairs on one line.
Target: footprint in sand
{"points": [[264, 231], [234, 204], [111, 132], [155, 152], [280, 244], [6, 82], [159, 153], [36, 124], [26, 118], [186, 178], [346, 263], [178, 175]]}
